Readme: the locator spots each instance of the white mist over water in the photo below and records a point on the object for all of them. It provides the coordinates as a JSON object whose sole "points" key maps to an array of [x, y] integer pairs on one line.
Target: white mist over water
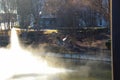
{"points": [[16, 61]]}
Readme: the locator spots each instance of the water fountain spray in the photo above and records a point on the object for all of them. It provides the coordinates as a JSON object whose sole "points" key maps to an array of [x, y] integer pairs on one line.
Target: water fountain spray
{"points": [[16, 61]]}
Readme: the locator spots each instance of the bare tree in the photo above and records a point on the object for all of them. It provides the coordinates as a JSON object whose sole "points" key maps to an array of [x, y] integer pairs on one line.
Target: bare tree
{"points": [[82, 13], [52, 6], [36, 11], [8, 8], [24, 10], [102, 7]]}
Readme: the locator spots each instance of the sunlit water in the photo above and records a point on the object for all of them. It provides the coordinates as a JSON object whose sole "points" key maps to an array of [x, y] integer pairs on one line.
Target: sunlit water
{"points": [[16, 62]]}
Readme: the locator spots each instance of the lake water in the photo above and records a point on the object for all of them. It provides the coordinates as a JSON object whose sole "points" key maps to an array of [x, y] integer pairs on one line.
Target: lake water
{"points": [[75, 70]]}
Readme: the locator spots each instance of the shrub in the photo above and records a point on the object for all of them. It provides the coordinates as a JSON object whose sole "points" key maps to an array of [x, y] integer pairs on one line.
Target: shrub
{"points": [[108, 44]]}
